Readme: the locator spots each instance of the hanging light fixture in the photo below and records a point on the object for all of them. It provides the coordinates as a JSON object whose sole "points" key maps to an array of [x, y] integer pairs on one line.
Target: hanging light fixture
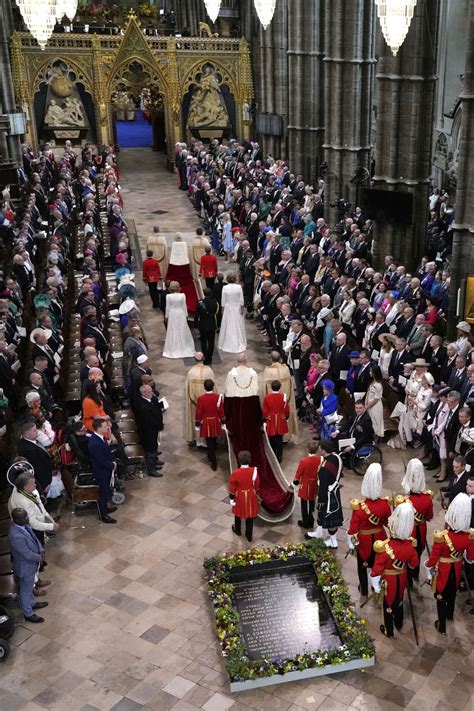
{"points": [[39, 17], [212, 8], [265, 10], [70, 9], [395, 18]]}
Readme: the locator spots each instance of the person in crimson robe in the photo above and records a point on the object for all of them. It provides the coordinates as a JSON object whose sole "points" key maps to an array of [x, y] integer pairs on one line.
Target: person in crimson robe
{"points": [[393, 557], [179, 270], [445, 563], [369, 516], [209, 419], [421, 498], [306, 479], [276, 411], [244, 487], [208, 268]]}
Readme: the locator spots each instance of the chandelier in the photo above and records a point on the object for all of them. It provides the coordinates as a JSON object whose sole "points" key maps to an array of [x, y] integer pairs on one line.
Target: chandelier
{"points": [[40, 16], [395, 18], [265, 10], [212, 8]]}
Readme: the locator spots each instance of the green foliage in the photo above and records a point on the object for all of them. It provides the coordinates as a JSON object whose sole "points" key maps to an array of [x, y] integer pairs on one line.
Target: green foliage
{"points": [[356, 643]]}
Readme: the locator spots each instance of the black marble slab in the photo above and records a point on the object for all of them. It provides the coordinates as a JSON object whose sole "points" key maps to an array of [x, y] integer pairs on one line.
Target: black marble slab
{"points": [[283, 611]]}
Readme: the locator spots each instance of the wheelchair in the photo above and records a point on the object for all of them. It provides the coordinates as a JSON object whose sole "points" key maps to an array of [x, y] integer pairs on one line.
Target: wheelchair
{"points": [[363, 457]]}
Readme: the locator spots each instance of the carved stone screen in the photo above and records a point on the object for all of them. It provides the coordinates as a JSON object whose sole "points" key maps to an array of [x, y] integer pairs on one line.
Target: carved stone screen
{"points": [[282, 610]]}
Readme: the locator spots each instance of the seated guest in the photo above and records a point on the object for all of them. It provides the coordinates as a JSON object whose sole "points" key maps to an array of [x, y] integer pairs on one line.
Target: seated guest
{"points": [[359, 427]]}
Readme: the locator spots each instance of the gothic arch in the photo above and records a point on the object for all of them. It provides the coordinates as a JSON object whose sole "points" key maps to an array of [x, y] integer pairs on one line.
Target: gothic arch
{"points": [[41, 74], [152, 74], [227, 78]]}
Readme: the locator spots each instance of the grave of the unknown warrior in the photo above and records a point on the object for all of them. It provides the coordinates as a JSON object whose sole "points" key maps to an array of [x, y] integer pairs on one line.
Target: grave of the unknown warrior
{"points": [[275, 617]]}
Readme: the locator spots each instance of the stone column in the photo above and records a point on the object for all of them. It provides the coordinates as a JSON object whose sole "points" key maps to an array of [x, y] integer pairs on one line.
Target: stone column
{"points": [[9, 145], [348, 100], [462, 260], [405, 93], [305, 87], [270, 68]]}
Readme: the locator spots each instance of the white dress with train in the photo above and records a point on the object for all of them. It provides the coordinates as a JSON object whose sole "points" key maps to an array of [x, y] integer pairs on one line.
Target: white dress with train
{"points": [[179, 341], [232, 338]]}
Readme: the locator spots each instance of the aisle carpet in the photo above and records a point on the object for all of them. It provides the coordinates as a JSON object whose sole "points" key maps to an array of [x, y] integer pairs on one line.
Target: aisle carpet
{"points": [[134, 134]]}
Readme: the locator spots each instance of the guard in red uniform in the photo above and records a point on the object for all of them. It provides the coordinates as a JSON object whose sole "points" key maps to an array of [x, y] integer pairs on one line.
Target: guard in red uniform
{"points": [[392, 557], [446, 559], [421, 498], [209, 419], [306, 478], [152, 275], [208, 268], [276, 411], [244, 487], [369, 516]]}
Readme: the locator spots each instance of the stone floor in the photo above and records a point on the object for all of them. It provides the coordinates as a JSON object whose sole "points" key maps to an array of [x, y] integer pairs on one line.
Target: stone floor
{"points": [[128, 624]]}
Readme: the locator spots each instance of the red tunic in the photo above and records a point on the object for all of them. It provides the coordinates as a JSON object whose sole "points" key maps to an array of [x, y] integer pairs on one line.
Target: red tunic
{"points": [[208, 266], [367, 523], [391, 563], [151, 270], [276, 411], [448, 549], [307, 475], [209, 414], [423, 505], [244, 485]]}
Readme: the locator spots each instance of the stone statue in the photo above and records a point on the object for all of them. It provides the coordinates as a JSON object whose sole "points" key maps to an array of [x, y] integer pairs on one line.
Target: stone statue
{"points": [[73, 112], [207, 104], [54, 115], [70, 114]]}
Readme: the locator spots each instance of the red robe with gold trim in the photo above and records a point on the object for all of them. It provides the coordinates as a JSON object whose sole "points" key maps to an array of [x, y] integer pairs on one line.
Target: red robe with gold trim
{"points": [[208, 266], [367, 523], [391, 560], [448, 549]]}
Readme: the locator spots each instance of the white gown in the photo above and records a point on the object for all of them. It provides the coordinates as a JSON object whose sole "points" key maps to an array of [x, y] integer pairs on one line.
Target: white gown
{"points": [[232, 337], [179, 342]]}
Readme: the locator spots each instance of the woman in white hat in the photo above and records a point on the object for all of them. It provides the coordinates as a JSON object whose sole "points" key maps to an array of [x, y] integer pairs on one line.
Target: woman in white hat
{"points": [[462, 342]]}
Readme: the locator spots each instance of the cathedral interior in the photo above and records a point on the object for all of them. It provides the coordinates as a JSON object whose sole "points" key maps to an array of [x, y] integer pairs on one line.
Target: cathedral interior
{"points": [[375, 120]]}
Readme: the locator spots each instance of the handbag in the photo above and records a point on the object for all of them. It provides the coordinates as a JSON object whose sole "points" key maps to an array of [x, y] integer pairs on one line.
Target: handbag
{"points": [[332, 418]]}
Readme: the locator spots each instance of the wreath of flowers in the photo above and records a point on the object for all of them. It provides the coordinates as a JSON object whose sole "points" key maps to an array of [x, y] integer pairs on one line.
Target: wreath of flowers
{"points": [[356, 642]]}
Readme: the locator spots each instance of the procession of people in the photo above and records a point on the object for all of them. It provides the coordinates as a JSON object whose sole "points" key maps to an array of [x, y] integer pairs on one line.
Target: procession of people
{"points": [[348, 359]]}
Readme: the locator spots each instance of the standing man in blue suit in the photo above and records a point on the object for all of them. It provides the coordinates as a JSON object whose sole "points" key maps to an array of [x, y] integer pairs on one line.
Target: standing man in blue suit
{"points": [[103, 466], [26, 552]]}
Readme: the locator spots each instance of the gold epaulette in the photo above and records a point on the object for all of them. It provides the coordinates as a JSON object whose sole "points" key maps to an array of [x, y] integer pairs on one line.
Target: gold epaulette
{"points": [[400, 499], [355, 504], [388, 499], [431, 493], [379, 546], [414, 542], [471, 534], [438, 536]]}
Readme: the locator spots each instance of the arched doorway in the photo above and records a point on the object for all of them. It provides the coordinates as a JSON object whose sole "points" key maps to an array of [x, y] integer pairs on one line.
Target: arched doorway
{"points": [[137, 102]]}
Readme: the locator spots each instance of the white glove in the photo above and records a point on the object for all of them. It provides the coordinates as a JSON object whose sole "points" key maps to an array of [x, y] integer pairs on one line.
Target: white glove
{"points": [[376, 582], [350, 542], [428, 572]]}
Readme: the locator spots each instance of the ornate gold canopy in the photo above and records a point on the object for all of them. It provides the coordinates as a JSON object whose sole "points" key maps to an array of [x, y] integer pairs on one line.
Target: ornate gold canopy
{"points": [[101, 63]]}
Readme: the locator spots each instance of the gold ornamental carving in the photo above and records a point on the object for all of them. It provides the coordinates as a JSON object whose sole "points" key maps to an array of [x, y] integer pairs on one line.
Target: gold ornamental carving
{"points": [[134, 61]]}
